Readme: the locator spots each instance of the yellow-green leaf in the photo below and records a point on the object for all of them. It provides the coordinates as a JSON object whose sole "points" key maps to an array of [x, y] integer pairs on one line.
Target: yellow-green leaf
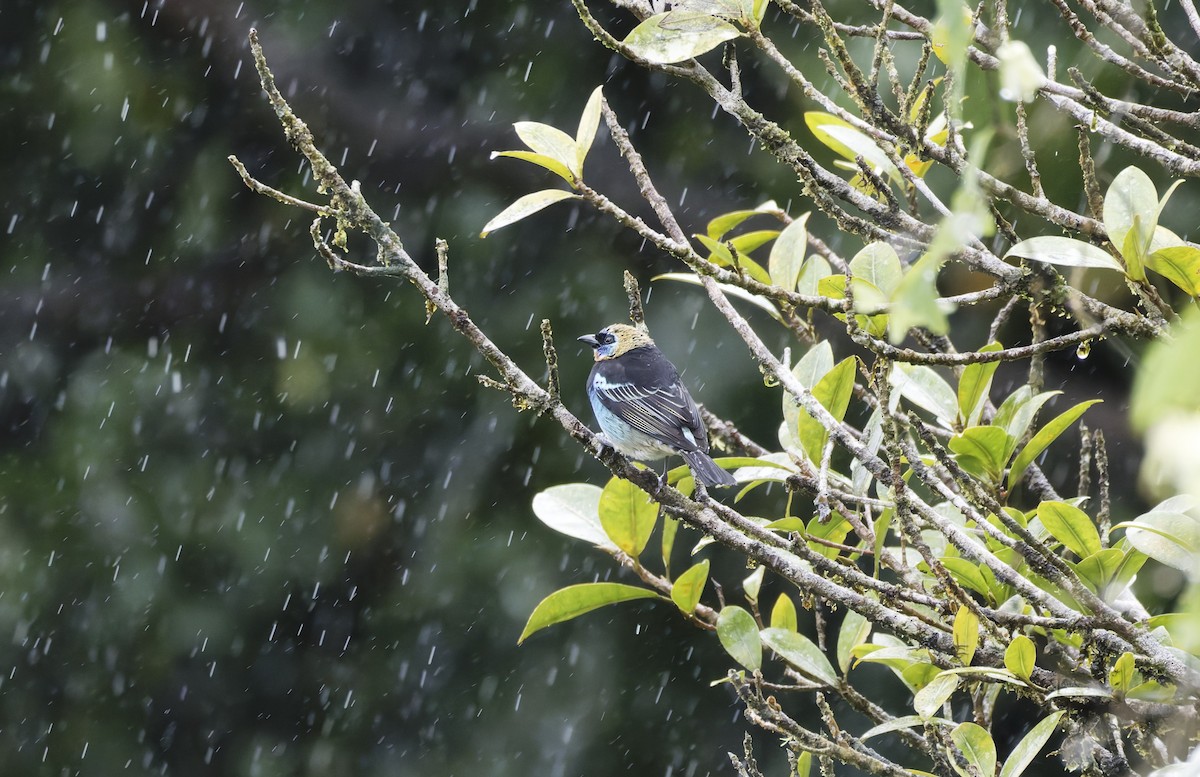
{"points": [[787, 254], [966, 635], [678, 35], [801, 652], [575, 600], [1120, 677], [1020, 657], [688, 587], [549, 141], [976, 745], [1030, 745], [589, 122], [833, 391], [1180, 265], [973, 386], [854, 631], [738, 634], [1070, 526], [627, 515], [525, 206], [1046, 435], [783, 614]]}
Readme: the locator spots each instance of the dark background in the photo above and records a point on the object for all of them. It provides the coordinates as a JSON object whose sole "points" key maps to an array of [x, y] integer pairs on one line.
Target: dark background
{"points": [[257, 518]]}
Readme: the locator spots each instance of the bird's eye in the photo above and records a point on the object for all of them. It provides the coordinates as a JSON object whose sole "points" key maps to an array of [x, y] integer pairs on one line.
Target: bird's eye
{"points": [[606, 338]]}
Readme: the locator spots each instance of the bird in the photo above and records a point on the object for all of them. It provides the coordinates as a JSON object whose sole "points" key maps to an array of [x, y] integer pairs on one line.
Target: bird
{"points": [[641, 405]]}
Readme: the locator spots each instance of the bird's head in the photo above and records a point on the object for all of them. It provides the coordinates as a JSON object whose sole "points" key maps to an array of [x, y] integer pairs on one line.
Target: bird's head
{"points": [[616, 339]]}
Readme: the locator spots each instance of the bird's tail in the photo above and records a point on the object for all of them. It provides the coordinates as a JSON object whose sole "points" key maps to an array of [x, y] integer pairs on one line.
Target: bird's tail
{"points": [[706, 470]]}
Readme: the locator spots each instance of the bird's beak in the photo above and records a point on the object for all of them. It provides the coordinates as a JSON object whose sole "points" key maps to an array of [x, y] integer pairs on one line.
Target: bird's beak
{"points": [[590, 340]]}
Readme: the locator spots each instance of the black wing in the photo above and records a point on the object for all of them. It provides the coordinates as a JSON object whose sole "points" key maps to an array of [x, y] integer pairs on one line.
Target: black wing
{"points": [[643, 389]]}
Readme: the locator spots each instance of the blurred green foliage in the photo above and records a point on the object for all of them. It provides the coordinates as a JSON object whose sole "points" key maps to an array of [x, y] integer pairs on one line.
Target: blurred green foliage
{"points": [[258, 519]]}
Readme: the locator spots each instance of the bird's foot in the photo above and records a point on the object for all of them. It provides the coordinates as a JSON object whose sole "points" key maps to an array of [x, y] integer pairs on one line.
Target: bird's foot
{"points": [[603, 445]]}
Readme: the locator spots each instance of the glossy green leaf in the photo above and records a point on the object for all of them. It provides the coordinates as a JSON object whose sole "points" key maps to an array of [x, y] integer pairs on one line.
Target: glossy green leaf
{"points": [[878, 264], [833, 391], [575, 600], [738, 634], [1030, 745], [787, 254], [1020, 657], [783, 614], [550, 141], [973, 387], [752, 584], [573, 509], [669, 530], [748, 241], [1171, 538], [1070, 526], [1131, 206], [898, 724], [982, 450], [525, 206], [1098, 570], [854, 631], [814, 270], [541, 160], [1046, 435], [967, 574], [929, 700], [966, 634], [688, 587], [1018, 410], [801, 652], [1180, 265], [833, 530], [678, 35], [721, 225], [627, 515], [1065, 251], [976, 745]]}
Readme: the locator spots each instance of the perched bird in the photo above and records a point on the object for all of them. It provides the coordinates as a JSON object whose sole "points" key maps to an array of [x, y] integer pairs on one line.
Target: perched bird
{"points": [[642, 407]]}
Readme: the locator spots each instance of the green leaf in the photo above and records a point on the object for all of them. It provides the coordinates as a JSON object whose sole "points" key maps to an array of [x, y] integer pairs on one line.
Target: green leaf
{"points": [[804, 760], [854, 631], [721, 225], [573, 509], [675, 36], [976, 745], [850, 142], [1020, 657], [1046, 435], [1018, 410], [787, 254], [1131, 208], [915, 303], [985, 447], [739, 636], [815, 269], [966, 634], [752, 584], [575, 600], [525, 206], [1180, 265], [833, 391], [688, 587], [878, 264], [1171, 538], [896, 724], [748, 241], [1030, 745], [1120, 677], [1070, 526], [541, 160], [550, 141], [783, 614], [589, 122], [968, 574], [973, 387], [801, 652], [834, 530], [1065, 251], [926, 389], [934, 693], [627, 515]]}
